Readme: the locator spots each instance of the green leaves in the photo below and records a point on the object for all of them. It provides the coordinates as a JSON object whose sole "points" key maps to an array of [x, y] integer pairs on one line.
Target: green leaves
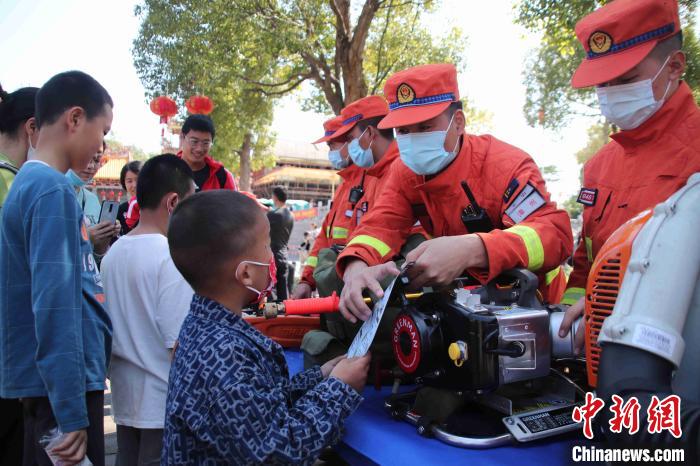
{"points": [[248, 53], [550, 100]]}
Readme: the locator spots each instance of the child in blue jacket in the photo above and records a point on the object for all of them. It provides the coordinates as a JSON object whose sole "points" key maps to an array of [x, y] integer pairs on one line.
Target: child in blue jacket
{"points": [[230, 398]]}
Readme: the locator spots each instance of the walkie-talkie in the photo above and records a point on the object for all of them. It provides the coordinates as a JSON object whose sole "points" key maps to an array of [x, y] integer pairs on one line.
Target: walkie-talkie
{"points": [[474, 217], [357, 192]]}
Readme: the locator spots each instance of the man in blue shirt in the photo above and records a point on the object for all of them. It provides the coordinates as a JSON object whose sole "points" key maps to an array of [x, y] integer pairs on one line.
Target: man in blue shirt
{"points": [[55, 337]]}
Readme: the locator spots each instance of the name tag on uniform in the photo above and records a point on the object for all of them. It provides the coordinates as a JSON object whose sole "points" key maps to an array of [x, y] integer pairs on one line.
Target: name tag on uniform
{"points": [[587, 196], [528, 201], [348, 213]]}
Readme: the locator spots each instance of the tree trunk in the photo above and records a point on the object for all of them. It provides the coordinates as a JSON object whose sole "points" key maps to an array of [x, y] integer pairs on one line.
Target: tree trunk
{"points": [[244, 182]]}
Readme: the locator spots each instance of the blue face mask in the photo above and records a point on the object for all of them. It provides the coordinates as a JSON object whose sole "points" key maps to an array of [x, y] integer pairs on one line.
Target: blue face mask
{"points": [[336, 159], [362, 157], [424, 153], [74, 179]]}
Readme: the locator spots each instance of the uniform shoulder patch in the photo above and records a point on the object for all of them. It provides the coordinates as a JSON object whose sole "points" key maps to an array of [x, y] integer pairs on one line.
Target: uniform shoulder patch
{"points": [[527, 202], [587, 196], [510, 190]]}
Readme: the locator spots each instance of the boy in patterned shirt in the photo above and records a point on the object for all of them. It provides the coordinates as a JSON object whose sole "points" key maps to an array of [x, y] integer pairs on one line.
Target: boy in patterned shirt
{"points": [[230, 398]]}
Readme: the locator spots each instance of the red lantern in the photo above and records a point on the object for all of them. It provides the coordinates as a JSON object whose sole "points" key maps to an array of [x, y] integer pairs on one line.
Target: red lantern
{"points": [[199, 104], [164, 107]]}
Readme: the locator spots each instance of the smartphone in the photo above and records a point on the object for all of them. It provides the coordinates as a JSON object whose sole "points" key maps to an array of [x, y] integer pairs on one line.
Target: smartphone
{"points": [[108, 212]]}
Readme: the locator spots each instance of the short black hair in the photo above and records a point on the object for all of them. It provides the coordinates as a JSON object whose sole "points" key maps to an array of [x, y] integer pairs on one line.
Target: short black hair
{"points": [[133, 167], [70, 89], [199, 123], [280, 193], [16, 108], [665, 47], [161, 175], [454, 106], [209, 229], [385, 133]]}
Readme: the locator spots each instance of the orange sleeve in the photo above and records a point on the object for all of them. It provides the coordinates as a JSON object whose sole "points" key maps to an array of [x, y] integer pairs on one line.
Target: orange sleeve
{"points": [[576, 286], [583, 256], [384, 229], [322, 241], [541, 242]]}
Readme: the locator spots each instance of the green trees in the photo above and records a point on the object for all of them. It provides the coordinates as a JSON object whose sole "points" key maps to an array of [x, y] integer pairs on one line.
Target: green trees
{"points": [[248, 53], [550, 99]]}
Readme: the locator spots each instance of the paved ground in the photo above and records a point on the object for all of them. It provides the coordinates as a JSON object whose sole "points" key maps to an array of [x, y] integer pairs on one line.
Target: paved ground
{"points": [[110, 431]]}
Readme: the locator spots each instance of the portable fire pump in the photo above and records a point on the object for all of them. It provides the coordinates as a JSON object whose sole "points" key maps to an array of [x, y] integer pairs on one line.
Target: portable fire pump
{"points": [[493, 356], [493, 350], [490, 358]]}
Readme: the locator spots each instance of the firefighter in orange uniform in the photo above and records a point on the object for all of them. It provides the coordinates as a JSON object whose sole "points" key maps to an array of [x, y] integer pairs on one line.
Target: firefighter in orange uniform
{"points": [[520, 226], [336, 224], [635, 60], [369, 147]]}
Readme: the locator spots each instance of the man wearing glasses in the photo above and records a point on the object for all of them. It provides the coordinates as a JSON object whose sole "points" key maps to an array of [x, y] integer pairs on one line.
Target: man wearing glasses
{"points": [[195, 141]]}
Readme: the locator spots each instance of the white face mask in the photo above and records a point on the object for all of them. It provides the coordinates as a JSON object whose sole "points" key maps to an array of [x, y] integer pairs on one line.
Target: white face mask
{"points": [[629, 105]]}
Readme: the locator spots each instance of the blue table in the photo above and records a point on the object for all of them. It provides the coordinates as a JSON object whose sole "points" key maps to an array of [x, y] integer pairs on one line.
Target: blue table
{"points": [[373, 437]]}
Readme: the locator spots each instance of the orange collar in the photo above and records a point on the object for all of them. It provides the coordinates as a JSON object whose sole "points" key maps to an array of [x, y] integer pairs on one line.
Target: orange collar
{"points": [[676, 109], [378, 169], [349, 172]]}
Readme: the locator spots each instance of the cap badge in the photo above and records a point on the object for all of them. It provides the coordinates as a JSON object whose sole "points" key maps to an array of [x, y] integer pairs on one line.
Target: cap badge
{"points": [[405, 94], [600, 42]]}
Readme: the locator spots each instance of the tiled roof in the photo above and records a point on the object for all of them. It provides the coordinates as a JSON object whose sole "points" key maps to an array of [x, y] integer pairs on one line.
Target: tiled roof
{"points": [[299, 175], [111, 170]]}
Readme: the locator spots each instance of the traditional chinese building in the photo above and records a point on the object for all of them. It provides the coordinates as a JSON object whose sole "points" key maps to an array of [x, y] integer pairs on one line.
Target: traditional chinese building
{"points": [[106, 181], [302, 169]]}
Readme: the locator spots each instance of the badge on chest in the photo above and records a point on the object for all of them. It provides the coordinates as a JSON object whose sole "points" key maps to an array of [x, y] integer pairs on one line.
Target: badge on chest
{"points": [[587, 196]]}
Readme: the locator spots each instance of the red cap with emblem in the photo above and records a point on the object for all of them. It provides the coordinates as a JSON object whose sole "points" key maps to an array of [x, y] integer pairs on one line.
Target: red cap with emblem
{"points": [[618, 36], [329, 128], [362, 109], [419, 94]]}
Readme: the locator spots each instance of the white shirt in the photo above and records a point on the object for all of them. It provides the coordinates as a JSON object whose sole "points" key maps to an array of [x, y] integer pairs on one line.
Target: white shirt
{"points": [[147, 300]]}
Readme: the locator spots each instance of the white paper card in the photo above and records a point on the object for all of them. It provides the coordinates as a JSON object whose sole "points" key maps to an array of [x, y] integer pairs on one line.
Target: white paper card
{"points": [[360, 345]]}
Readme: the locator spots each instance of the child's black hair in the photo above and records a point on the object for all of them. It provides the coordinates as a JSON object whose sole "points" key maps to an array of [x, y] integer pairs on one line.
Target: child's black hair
{"points": [[161, 175], [209, 229], [70, 89], [199, 123], [133, 167], [16, 108]]}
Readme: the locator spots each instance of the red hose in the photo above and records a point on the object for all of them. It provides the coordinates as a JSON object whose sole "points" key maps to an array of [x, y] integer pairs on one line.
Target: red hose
{"points": [[312, 305]]}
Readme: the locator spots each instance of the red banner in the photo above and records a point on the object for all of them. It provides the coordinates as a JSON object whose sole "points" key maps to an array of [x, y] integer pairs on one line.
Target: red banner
{"points": [[306, 213]]}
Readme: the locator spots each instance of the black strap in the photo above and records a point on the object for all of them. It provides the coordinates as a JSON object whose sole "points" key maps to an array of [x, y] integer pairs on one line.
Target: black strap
{"points": [[221, 176], [8, 167]]}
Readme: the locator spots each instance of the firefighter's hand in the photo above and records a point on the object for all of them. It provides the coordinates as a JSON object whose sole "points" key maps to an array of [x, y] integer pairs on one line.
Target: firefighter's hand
{"points": [[328, 367], [72, 448], [359, 277], [439, 261], [353, 371], [574, 312], [301, 291]]}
